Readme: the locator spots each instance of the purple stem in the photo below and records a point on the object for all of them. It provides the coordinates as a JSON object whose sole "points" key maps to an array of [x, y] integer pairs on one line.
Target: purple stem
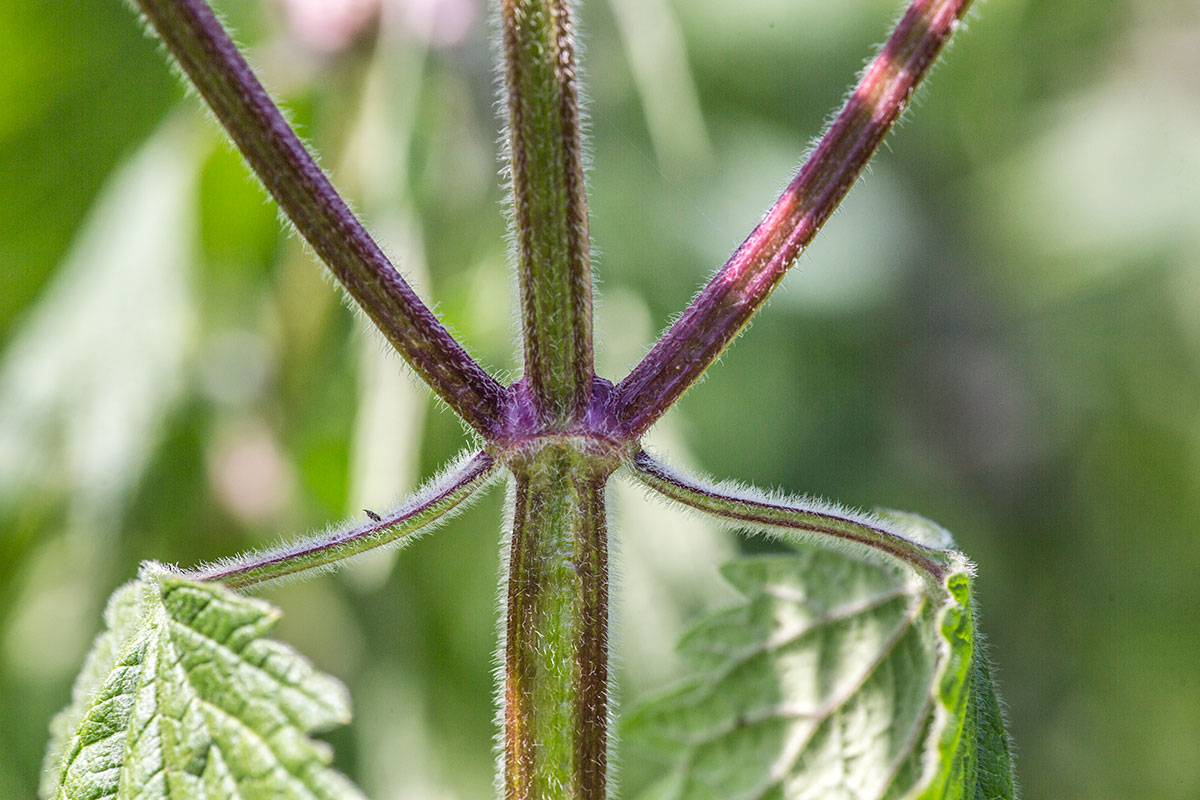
{"points": [[204, 50], [739, 289], [758, 513], [432, 504]]}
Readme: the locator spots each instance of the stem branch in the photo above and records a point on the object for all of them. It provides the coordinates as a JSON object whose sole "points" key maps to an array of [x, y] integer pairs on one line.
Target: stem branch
{"points": [[433, 504], [823, 522], [741, 286], [213, 63]]}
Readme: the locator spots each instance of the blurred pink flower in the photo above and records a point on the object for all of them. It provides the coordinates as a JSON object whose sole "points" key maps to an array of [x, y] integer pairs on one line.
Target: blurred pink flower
{"points": [[249, 473], [329, 26]]}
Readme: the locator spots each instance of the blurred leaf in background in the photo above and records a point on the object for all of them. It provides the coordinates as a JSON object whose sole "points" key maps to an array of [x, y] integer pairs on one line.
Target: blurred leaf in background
{"points": [[999, 331]]}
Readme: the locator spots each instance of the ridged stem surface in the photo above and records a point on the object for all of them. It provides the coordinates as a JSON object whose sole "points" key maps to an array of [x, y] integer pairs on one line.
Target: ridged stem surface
{"points": [[556, 632], [550, 217]]}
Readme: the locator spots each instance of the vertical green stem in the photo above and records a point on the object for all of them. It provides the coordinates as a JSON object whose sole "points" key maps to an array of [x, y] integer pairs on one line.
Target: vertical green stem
{"points": [[549, 205], [556, 645]]}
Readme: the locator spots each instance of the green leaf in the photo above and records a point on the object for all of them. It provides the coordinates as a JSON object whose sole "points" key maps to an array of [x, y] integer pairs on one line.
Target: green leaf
{"points": [[183, 697], [836, 678]]}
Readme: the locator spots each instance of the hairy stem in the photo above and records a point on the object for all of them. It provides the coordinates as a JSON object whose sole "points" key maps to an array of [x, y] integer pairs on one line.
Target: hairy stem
{"points": [[734, 506], [742, 285], [432, 504], [556, 635], [549, 205], [213, 63]]}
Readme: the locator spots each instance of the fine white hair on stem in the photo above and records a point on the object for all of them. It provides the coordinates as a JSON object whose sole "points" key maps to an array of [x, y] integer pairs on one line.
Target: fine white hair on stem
{"points": [[499, 665], [438, 500], [902, 537]]}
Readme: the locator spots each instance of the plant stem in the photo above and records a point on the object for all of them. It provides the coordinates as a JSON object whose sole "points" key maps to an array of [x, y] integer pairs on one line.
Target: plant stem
{"points": [[433, 504], [560, 431], [825, 523], [550, 215], [739, 289], [556, 635], [290, 174]]}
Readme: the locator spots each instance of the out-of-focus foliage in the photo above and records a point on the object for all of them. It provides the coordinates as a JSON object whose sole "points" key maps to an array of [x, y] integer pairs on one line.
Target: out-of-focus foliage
{"points": [[999, 330]]}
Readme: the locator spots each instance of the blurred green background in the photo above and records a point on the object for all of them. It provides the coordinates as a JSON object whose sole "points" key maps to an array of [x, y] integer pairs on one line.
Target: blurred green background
{"points": [[999, 330]]}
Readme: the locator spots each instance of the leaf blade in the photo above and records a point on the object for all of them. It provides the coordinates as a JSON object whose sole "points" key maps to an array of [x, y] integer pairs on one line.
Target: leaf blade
{"points": [[974, 753], [837, 678], [184, 696]]}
